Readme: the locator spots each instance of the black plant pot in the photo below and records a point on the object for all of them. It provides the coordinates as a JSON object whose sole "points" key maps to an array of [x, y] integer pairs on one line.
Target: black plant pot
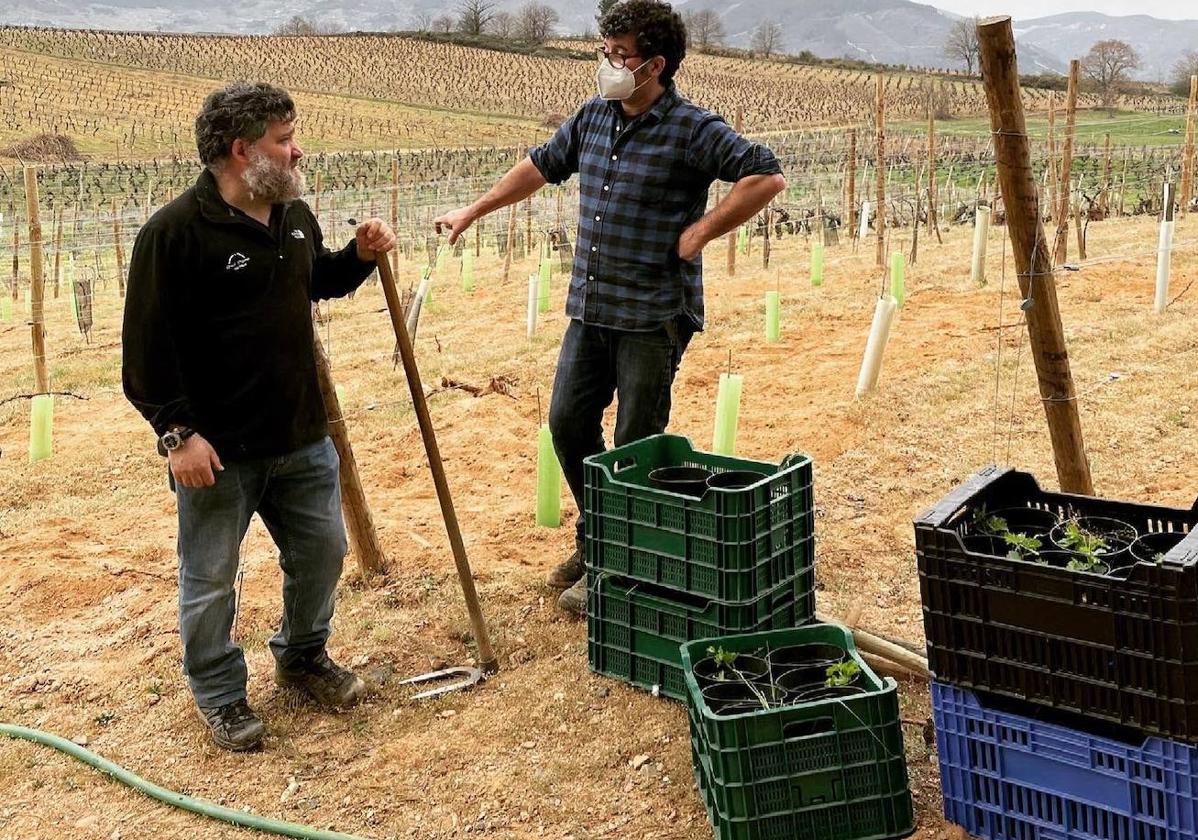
{"points": [[1117, 534], [1055, 557], [741, 697], [816, 655], [754, 668], [1031, 522], [798, 680], [688, 481], [1147, 546], [735, 479]]}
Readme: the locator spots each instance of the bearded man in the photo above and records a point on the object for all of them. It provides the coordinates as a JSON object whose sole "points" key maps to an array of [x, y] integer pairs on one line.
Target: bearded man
{"points": [[218, 357]]}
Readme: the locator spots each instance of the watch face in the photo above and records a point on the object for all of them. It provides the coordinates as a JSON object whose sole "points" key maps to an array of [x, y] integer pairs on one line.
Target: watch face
{"points": [[171, 441]]}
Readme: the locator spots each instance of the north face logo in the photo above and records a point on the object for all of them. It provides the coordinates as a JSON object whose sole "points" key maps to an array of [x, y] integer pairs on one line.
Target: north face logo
{"points": [[237, 262], [297, 234]]}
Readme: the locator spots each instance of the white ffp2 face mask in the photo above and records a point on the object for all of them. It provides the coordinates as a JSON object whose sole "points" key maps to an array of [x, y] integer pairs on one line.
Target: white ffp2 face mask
{"points": [[618, 83]]}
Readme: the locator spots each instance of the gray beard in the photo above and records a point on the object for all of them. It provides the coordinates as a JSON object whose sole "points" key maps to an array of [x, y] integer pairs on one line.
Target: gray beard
{"points": [[272, 184]]}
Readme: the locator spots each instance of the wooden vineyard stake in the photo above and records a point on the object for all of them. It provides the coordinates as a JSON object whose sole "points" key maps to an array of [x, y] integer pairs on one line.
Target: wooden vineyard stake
{"points": [[880, 171], [359, 523], [1061, 249], [850, 202], [1033, 261], [732, 234], [37, 312]]}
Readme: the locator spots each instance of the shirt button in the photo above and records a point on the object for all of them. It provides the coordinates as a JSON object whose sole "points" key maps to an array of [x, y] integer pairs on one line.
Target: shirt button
{"points": [[596, 218], [615, 157], [606, 188], [593, 248], [591, 277]]}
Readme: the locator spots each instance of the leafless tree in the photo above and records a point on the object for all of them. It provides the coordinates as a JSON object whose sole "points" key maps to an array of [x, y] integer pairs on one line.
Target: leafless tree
{"points": [[704, 29], [767, 38], [443, 23], [961, 45], [300, 25], [1107, 65], [474, 15], [502, 25], [1185, 67], [535, 22], [422, 21]]}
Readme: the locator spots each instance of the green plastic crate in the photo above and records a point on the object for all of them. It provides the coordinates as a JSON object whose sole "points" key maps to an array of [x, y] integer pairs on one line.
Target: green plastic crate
{"points": [[731, 545], [872, 818], [826, 770], [635, 629]]}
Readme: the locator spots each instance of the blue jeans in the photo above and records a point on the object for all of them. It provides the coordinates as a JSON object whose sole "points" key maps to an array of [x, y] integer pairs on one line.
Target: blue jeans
{"points": [[298, 498], [597, 363]]}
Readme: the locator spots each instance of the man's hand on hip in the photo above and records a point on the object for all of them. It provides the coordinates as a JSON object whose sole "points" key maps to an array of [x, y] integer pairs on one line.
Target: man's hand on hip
{"points": [[373, 237], [691, 243], [192, 464]]}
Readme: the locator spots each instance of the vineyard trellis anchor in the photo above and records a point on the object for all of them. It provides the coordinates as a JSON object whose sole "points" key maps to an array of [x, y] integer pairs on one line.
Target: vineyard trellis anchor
{"points": [[486, 656], [1033, 261]]}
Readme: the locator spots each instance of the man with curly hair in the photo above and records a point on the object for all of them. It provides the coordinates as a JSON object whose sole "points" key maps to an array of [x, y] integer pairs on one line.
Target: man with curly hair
{"points": [[218, 357], [645, 157]]}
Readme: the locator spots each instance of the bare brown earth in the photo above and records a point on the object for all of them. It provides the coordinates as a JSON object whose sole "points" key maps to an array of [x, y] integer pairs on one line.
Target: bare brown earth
{"points": [[88, 638]]}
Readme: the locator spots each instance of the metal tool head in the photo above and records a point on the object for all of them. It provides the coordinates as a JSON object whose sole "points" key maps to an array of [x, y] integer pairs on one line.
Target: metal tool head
{"points": [[467, 678]]}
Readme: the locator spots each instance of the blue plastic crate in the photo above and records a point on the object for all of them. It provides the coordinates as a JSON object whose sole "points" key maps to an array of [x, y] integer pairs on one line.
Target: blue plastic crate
{"points": [[1010, 777]]}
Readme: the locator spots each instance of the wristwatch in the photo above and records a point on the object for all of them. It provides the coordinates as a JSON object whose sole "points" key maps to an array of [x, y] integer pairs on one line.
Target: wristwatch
{"points": [[174, 438]]}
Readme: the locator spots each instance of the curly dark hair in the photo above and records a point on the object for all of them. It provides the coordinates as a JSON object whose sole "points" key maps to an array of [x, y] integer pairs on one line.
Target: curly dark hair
{"points": [[241, 110], [659, 30]]}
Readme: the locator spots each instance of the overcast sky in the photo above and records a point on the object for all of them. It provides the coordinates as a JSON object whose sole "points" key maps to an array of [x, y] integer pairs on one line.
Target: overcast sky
{"points": [[1042, 8]]}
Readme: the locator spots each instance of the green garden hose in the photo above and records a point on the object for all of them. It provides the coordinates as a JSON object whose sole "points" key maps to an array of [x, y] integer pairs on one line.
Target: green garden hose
{"points": [[170, 797]]}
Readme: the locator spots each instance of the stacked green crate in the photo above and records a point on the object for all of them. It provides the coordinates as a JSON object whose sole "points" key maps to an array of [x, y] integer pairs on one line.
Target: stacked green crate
{"points": [[665, 568], [830, 768]]}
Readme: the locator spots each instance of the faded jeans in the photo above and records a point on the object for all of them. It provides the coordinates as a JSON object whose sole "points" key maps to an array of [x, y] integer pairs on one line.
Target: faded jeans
{"points": [[597, 363], [298, 498]]}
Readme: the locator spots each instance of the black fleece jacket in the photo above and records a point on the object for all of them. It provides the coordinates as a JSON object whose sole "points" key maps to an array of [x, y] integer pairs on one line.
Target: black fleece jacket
{"points": [[218, 323]]}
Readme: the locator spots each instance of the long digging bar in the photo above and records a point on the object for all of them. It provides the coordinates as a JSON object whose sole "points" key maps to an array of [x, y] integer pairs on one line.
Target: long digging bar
{"points": [[486, 656]]}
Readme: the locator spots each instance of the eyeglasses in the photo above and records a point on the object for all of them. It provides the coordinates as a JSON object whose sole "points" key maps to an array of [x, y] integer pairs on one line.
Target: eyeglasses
{"points": [[615, 59]]}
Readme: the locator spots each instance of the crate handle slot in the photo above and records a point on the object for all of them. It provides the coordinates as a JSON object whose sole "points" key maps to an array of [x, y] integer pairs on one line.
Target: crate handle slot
{"points": [[799, 729], [629, 463]]}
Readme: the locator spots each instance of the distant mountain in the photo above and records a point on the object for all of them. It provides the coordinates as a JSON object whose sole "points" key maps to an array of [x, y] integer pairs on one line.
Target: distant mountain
{"points": [[891, 31], [1159, 42]]}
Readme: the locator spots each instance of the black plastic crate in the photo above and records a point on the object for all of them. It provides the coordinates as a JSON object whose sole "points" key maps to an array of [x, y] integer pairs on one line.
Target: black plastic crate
{"points": [[1120, 650], [635, 629], [730, 545]]}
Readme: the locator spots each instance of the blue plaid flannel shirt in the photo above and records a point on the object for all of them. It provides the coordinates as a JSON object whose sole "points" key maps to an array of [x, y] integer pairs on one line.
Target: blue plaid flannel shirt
{"points": [[642, 182]]}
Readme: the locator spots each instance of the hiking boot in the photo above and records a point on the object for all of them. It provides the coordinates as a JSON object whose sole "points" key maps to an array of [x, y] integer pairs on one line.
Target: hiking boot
{"points": [[233, 726], [574, 599], [568, 572], [324, 680]]}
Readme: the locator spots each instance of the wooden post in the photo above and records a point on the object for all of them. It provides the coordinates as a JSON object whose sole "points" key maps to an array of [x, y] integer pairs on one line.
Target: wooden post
{"points": [[395, 209], [1106, 179], [1123, 181], [511, 243], [359, 524], [1077, 224], [37, 320], [316, 197], [880, 170], [739, 126], [1061, 250], [16, 257], [849, 213], [119, 248], [765, 244], [933, 221], [1187, 165], [1033, 262], [57, 248], [1052, 156]]}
